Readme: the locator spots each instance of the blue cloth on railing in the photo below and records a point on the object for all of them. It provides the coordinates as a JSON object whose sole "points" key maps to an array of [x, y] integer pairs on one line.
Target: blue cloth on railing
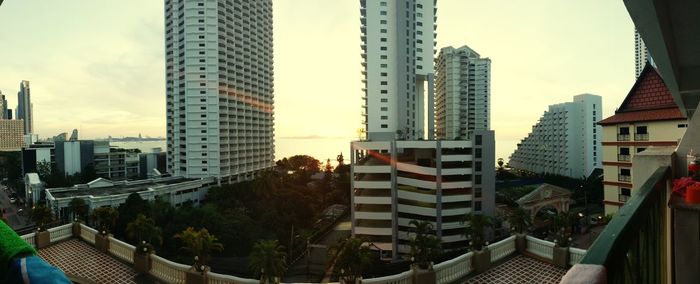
{"points": [[33, 269]]}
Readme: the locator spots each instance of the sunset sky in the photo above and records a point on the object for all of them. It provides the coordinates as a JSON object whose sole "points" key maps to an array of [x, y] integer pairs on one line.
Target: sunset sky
{"points": [[99, 65]]}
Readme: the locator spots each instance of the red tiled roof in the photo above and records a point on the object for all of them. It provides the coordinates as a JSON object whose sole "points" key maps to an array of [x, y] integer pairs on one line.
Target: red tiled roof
{"points": [[648, 100], [649, 92], [644, 115]]}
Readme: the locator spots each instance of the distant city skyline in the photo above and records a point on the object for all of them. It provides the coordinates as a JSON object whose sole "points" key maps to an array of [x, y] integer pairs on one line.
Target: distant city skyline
{"points": [[103, 71]]}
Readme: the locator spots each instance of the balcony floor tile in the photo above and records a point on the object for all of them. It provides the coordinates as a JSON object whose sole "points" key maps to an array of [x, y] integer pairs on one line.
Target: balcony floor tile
{"points": [[520, 269], [78, 258]]}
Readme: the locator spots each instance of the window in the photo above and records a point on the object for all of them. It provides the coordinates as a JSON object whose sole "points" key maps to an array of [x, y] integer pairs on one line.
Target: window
{"points": [[383, 13], [384, 100], [383, 83], [384, 109], [384, 117], [383, 65], [624, 194], [384, 74], [477, 193], [382, 39], [477, 153], [477, 179], [385, 126], [383, 4], [383, 22], [624, 155], [384, 91], [382, 31], [640, 149], [624, 175], [477, 166], [477, 140], [382, 48], [382, 57], [683, 125], [623, 134], [641, 134], [477, 206]]}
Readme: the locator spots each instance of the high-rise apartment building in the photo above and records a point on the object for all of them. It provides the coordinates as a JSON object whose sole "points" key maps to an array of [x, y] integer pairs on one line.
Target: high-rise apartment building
{"points": [[3, 106], [462, 88], [641, 54], [398, 45], [397, 176], [219, 88], [565, 141], [11, 137], [24, 107]]}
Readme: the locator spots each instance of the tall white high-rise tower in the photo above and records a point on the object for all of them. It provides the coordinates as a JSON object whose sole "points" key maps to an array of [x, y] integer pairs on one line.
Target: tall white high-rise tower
{"points": [[641, 54], [398, 44], [219, 87], [463, 92]]}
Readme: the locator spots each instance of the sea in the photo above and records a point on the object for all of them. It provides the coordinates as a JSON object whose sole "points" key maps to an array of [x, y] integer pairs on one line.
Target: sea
{"points": [[317, 147], [320, 148]]}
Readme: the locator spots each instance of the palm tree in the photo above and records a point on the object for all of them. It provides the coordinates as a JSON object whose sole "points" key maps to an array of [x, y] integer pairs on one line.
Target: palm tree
{"points": [[199, 244], [351, 257], [105, 218], [561, 228], [476, 229], [424, 245], [77, 206], [268, 260], [41, 216], [143, 231], [519, 220]]}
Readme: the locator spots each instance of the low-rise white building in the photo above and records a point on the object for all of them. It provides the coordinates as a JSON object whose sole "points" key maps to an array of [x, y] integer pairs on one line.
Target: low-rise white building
{"points": [[102, 192], [565, 141]]}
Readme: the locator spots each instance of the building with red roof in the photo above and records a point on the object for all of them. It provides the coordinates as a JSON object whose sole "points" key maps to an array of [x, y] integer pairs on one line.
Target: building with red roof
{"points": [[648, 117]]}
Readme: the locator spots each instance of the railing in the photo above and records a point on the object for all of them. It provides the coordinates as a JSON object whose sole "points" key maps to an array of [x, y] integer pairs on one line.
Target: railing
{"points": [[29, 238], [168, 271], [215, 278], [87, 233], [632, 245], [502, 248], [540, 247], [625, 178], [453, 269], [575, 255], [401, 278], [623, 137], [121, 250], [641, 137], [623, 158], [61, 233]]}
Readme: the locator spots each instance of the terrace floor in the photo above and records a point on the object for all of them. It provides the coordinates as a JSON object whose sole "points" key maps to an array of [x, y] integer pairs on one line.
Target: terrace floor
{"points": [[77, 258], [520, 269]]}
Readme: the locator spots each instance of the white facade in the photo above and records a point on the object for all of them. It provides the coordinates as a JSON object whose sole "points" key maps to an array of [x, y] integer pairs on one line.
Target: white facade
{"points": [[102, 192], [462, 87], [565, 141], [219, 85], [398, 45], [438, 181], [641, 54]]}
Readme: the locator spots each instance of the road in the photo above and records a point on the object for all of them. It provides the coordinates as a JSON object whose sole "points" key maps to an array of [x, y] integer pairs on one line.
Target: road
{"points": [[16, 220], [318, 260]]}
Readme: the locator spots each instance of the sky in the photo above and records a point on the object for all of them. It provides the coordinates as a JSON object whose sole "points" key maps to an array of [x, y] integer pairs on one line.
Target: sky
{"points": [[98, 65]]}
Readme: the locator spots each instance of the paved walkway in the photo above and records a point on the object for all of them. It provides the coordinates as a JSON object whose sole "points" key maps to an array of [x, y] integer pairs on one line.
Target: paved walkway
{"points": [[520, 269], [78, 258], [319, 253]]}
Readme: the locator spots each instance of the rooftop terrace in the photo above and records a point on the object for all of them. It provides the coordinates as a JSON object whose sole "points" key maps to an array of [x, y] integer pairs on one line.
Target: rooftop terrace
{"points": [[102, 187]]}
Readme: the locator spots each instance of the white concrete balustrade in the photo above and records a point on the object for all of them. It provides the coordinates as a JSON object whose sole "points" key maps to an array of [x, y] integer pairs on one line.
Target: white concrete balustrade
{"points": [[453, 269], [540, 247], [121, 250], [61, 232], [501, 249], [449, 271]]}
